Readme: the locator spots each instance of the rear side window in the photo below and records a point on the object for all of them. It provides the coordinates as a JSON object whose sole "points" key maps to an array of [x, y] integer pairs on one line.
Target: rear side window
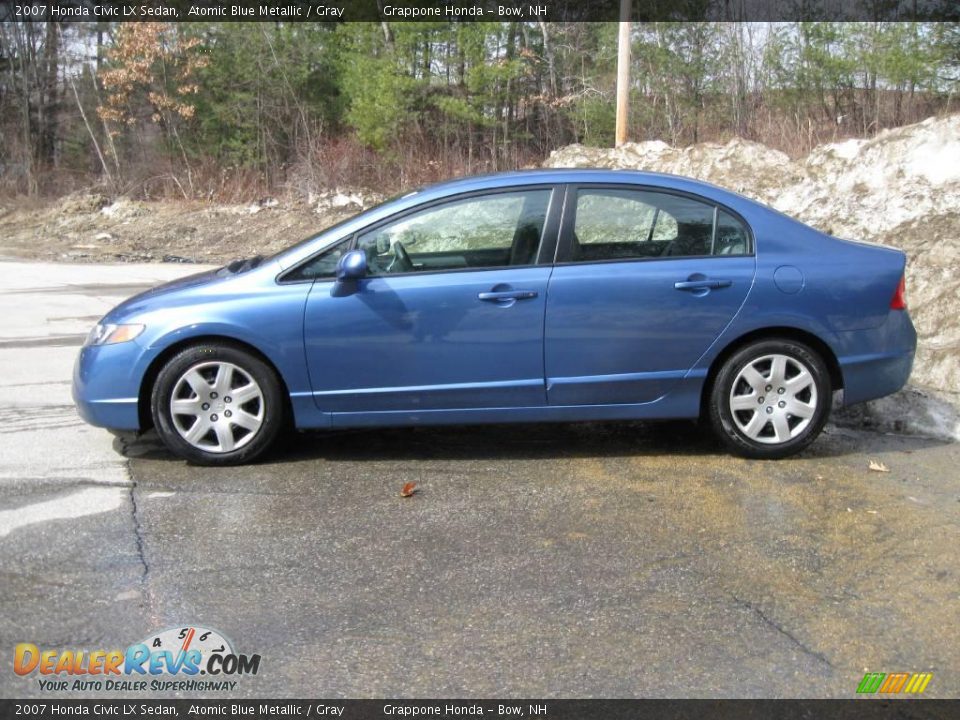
{"points": [[611, 224]]}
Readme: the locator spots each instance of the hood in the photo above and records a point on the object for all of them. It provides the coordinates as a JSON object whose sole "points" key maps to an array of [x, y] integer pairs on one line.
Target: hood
{"points": [[135, 303]]}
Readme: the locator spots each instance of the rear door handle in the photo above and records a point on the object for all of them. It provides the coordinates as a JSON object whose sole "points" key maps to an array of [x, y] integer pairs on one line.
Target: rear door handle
{"points": [[702, 284], [507, 295]]}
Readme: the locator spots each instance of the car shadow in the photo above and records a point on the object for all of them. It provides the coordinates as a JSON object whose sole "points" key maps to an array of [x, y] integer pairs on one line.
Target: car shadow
{"points": [[501, 441], [529, 442], [506, 442]]}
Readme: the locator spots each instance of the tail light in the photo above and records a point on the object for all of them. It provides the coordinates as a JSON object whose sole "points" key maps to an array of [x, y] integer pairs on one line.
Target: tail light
{"points": [[899, 299]]}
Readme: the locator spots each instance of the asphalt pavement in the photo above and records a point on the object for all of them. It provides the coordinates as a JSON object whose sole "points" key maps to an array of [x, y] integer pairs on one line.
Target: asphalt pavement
{"points": [[588, 560]]}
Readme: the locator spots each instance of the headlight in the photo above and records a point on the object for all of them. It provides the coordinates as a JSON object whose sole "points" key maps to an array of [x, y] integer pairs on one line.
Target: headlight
{"points": [[110, 334]]}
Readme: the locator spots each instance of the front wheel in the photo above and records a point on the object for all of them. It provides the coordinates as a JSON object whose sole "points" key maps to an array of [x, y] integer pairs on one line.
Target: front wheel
{"points": [[771, 399], [216, 404]]}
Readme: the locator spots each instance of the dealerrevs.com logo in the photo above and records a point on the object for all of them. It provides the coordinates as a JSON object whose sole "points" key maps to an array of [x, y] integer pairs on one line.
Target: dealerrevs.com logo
{"points": [[177, 659]]}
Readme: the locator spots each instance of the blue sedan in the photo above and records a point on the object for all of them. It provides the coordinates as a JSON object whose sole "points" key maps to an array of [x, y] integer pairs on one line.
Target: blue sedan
{"points": [[557, 295]]}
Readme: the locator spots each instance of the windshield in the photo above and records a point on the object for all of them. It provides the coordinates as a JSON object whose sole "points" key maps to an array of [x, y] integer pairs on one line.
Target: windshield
{"points": [[314, 236]]}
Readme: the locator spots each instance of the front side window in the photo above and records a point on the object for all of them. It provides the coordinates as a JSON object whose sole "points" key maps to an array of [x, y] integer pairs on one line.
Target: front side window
{"points": [[489, 231], [320, 267], [611, 224]]}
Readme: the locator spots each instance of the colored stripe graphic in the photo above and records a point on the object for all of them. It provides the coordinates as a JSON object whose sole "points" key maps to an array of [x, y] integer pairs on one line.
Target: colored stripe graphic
{"points": [[894, 682], [918, 683], [890, 683], [871, 682]]}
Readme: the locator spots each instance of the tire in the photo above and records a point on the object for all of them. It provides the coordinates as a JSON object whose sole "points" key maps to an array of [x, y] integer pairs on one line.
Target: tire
{"points": [[770, 399], [231, 401]]}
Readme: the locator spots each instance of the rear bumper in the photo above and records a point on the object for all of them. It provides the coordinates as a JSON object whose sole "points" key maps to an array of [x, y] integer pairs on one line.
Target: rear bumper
{"points": [[875, 377], [886, 366]]}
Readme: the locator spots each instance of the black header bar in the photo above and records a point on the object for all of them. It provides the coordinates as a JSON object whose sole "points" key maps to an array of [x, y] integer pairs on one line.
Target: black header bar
{"points": [[475, 10]]}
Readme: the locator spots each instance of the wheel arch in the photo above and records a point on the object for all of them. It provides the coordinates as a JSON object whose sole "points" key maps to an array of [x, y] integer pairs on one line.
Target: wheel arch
{"points": [[144, 414], [771, 333]]}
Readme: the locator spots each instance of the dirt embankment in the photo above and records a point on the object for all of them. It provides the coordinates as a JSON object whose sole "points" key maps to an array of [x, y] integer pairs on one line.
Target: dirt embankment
{"points": [[92, 228], [901, 188]]}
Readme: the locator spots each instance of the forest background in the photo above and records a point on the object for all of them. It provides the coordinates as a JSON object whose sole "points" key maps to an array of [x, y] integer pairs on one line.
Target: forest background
{"points": [[231, 112]]}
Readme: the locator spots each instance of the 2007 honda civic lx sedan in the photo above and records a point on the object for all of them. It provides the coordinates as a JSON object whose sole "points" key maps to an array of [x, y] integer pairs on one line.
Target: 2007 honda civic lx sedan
{"points": [[556, 295]]}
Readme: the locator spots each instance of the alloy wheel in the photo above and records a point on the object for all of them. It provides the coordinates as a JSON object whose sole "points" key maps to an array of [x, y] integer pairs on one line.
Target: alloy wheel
{"points": [[773, 399], [217, 406]]}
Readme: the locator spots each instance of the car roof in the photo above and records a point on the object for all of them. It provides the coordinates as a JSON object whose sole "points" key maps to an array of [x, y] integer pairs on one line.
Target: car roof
{"points": [[581, 175]]}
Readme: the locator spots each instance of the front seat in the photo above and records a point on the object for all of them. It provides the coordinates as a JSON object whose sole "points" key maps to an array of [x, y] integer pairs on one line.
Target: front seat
{"points": [[525, 243]]}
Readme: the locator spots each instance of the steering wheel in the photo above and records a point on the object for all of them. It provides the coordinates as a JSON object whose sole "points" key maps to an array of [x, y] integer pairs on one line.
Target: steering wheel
{"points": [[672, 248], [401, 260]]}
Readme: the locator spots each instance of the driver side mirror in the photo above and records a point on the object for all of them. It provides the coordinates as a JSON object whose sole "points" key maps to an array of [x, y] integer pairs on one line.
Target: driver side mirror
{"points": [[350, 268]]}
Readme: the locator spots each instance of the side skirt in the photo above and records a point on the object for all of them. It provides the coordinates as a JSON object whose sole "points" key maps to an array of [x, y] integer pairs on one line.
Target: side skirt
{"points": [[683, 402]]}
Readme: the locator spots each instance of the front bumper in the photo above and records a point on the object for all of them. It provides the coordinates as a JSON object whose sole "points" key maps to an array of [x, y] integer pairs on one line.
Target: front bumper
{"points": [[106, 385]]}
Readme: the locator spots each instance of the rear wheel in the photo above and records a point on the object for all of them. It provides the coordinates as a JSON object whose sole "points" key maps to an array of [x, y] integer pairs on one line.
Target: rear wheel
{"points": [[216, 404], [771, 399]]}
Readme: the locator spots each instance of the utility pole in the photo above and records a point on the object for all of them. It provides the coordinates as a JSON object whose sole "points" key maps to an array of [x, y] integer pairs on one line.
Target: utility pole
{"points": [[623, 73]]}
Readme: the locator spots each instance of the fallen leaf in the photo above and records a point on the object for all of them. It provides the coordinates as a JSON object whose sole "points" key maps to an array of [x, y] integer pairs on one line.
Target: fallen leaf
{"points": [[408, 490], [878, 466]]}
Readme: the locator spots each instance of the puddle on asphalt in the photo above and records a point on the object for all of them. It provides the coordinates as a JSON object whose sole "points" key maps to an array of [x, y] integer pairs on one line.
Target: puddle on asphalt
{"points": [[90, 501], [73, 340]]}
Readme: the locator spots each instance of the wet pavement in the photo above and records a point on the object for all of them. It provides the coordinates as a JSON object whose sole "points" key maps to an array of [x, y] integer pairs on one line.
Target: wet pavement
{"points": [[590, 560]]}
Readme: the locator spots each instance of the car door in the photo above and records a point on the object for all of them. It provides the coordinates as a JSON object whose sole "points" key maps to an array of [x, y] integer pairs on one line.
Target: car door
{"points": [[645, 282], [450, 315]]}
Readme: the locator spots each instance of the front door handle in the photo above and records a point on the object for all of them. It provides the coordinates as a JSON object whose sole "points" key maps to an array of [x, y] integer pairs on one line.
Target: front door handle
{"points": [[497, 296], [704, 284]]}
